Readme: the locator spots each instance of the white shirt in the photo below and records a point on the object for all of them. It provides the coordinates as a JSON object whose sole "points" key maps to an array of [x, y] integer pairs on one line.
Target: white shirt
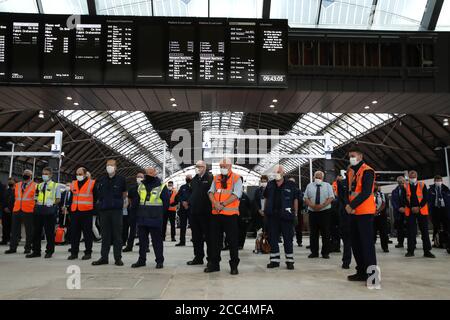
{"points": [[326, 191]]}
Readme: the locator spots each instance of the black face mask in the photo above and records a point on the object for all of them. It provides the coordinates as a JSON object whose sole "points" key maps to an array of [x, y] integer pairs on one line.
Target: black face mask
{"points": [[188, 180], [25, 177]]}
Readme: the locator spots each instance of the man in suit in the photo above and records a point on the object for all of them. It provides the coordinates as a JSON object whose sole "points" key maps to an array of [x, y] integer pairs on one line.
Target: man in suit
{"points": [[399, 212], [439, 204]]}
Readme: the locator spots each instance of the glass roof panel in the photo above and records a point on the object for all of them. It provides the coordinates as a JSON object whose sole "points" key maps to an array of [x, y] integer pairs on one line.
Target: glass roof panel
{"points": [[443, 23], [124, 7], [65, 6], [22, 6], [345, 14], [236, 8], [399, 14], [180, 8], [300, 13]]}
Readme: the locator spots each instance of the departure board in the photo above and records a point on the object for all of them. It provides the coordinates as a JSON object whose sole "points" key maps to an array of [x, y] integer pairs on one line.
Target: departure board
{"points": [[211, 52], [3, 62], [88, 54], [118, 66], [272, 54], [150, 62], [25, 52], [181, 52], [57, 59], [242, 53]]}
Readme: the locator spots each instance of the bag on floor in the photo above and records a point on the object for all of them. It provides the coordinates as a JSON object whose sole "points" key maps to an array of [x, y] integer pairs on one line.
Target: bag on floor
{"points": [[262, 244], [60, 233], [441, 240]]}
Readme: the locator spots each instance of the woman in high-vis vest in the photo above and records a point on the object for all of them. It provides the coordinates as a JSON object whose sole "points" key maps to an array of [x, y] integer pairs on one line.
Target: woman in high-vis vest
{"points": [[225, 191], [170, 214], [81, 209], [361, 208], [416, 213], [23, 212]]}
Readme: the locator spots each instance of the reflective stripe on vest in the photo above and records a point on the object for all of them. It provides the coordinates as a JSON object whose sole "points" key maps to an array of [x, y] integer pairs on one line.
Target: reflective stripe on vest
{"points": [[155, 196], [82, 199], [419, 194], [222, 195], [368, 206], [50, 194], [24, 201]]}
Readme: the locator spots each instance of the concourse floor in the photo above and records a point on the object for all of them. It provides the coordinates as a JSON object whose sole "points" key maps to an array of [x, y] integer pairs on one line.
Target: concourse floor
{"points": [[402, 278]]}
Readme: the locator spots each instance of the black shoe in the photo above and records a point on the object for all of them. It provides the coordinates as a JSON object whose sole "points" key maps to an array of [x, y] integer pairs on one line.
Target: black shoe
{"points": [[174, 240], [428, 254], [326, 256], [138, 264], [308, 247], [299, 245], [194, 262], [27, 251], [87, 256], [345, 266], [290, 265], [448, 250], [119, 263], [210, 269], [357, 277], [127, 249], [48, 255], [3, 243], [409, 254], [148, 250], [180, 244], [241, 248], [234, 271], [399, 246], [72, 257], [159, 266], [33, 255], [9, 251], [272, 265], [386, 250], [69, 250], [312, 255], [100, 262], [225, 248]]}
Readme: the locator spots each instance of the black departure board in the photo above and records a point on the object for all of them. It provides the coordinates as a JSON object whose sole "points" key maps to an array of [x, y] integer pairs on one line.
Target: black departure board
{"points": [[25, 52], [119, 58], [181, 52], [242, 53], [57, 51], [211, 51], [88, 54], [142, 51], [272, 54], [3, 45]]}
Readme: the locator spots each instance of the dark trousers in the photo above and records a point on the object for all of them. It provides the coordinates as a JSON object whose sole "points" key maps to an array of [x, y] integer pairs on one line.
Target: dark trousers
{"points": [[439, 218], [6, 226], [169, 216], [414, 220], [299, 229], [111, 222], [46, 223], [335, 239], [183, 214], [344, 227], [125, 228], [132, 228], [380, 226], [277, 226], [218, 225], [243, 225], [16, 225], [319, 223], [200, 235], [400, 226], [363, 246], [81, 222], [157, 243]]}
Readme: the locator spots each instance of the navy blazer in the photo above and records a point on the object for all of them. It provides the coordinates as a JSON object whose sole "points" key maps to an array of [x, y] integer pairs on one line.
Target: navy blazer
{"points": [[396, 200], [432, 196]]}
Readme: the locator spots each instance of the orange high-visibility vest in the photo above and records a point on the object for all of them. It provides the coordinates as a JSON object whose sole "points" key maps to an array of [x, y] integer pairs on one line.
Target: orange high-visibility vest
{"points": [[335, 188], [424, 209], [222, 195], [82, 198], [172, 199], [368, 206], [24, 200]]}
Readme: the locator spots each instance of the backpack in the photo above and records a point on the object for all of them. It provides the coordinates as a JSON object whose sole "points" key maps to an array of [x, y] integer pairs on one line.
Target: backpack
{"points": [[262, 244]]}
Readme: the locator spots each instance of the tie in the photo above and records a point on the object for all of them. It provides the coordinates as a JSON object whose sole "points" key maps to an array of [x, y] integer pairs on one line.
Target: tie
{"points": [[318, 194], [43, 190]]}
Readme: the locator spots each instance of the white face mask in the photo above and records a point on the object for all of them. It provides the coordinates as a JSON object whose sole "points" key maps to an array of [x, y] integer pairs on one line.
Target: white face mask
{"points": [[413, 180], [224, 171], [354, 161], [318, 181], [80, 178], [110, 169], [263, 184], [139, 180], [169, 187], [45, 177], [438, 183], [277, 176]]}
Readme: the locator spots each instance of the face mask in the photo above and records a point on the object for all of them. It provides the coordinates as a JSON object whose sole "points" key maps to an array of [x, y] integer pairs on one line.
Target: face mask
{"points": [[188, 180], [224, 171], [438, 183], [139, 180], [80, 178], [277, 176], [354, 161], [318, 181], [45, 177], [169, 187], [414, 180], [26, 177], [263, 184], [110, 169]]}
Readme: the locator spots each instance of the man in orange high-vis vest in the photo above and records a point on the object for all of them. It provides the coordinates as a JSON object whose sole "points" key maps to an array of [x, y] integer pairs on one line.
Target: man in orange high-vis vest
{"points": [[170, 213], [415, 204], [225, 192], [25, 193], [361, 208], [81, 211]]}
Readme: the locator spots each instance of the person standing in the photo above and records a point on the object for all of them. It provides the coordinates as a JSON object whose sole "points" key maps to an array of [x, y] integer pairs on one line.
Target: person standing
{"points": [[361, 208], [415, 203], [318, 197], [182, 198], [8, 206], [439, 204], [45, 212], [133, 204], [64, 211], [170, 213], [380, 219], [335, 240], [81, 211], [154, 200], [399, 211], [23, 211], [225, 192], [259, 203], [245, 216], [344, 222], [281, 208], [111, 193], [200, 212], [299, 224]]}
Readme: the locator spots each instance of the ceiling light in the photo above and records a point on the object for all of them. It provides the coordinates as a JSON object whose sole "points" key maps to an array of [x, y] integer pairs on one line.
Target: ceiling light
{"points": [[75, 103], [69, 98], [174, 104], [172, 99], [366, 107], [274, 100], [272, 106], [374, 102], [41, 114], [445, 124]]}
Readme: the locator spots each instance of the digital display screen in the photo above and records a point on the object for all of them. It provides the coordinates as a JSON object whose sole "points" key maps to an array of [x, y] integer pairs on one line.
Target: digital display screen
{"points": [[57, 56], [181, 52], [273, 54], [242, 53], [211, 51], [88, 54], [119, 41], [3, 62], [150, 59], [25, 52]]}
